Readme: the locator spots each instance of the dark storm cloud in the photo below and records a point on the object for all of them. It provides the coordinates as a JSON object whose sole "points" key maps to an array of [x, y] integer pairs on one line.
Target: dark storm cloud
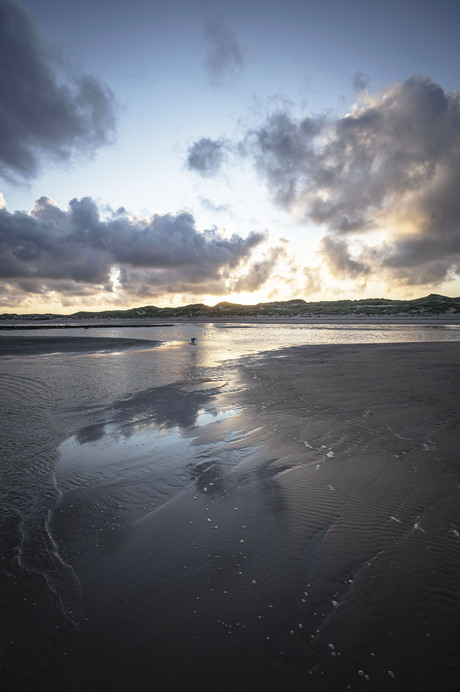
{"points": [[206, 156], [42, 112], [224, 53], [391, 166], [55, 249]]}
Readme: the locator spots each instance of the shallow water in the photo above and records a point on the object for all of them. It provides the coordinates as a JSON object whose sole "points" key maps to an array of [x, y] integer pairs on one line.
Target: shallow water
{"points": [[151, 524], [218, 341]]}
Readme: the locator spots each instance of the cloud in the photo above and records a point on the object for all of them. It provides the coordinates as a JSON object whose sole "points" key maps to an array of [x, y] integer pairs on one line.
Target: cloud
{"points": [[388, 173], [224, 53], [75, 251], [259, 271], [283, 153], [206, 156], [360, 81], [338, 258], [312, 280], [210, 205], [43, 112]]}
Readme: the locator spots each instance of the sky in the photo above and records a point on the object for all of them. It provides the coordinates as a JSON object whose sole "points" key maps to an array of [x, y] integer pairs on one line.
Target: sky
{"points": [[173, 152]]}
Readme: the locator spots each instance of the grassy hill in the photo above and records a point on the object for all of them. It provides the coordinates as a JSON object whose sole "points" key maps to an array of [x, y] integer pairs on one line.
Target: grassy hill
{"points": [[431, 305]]}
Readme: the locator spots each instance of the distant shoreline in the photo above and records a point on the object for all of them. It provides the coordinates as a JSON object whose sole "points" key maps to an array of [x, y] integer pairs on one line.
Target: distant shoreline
{"points": [[63, 324]]}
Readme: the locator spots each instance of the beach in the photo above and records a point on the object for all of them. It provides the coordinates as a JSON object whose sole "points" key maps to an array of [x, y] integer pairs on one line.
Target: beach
{"points": [[287, 520]]}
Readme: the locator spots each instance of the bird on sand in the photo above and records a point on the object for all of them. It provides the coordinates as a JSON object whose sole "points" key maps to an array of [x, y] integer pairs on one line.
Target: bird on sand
{"points": [[193, 341]]}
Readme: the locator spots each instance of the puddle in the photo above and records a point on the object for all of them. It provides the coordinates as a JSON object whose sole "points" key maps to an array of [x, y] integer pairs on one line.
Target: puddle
{"points": [[137, 466]]}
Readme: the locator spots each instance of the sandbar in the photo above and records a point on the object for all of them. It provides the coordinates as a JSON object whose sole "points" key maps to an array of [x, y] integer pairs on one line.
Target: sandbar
{"points": [[33, 345]]}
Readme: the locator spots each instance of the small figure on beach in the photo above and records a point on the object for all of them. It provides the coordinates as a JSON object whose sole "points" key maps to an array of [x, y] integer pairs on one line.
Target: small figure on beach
{"points": [[193, 341]]}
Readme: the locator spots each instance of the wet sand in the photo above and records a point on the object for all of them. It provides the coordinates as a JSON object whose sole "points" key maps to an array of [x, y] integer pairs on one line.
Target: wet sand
{"points": [[33, 345], [372, 505], [289, 522]]}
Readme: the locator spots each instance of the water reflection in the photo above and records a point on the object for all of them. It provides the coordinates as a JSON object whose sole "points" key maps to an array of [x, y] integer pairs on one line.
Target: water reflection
{"points": [[141, 458], [168, 407]]}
